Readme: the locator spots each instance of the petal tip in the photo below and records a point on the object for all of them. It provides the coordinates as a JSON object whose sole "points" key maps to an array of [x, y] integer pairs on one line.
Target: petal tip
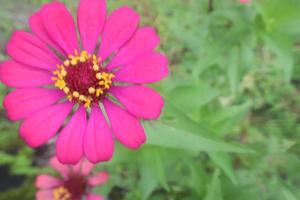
{"points": [[65, 160], [103, 158]]}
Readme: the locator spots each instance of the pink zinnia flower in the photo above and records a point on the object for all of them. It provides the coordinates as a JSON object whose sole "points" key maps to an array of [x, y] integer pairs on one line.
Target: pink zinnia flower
{"points": [[75, 182], [54, 75], [245, 1]]}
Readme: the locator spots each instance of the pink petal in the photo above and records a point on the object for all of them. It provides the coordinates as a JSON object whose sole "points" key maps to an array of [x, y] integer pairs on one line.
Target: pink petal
{"points": [[91, 16], [39, 127], [59, 167], [98, 140], [148, 68], [39, 28], [45, 181], [69, 144], [98, 179], [143, 102], [16, 75], [60, 26], [245, 1], [85, 167], [91, 196], [22, 102], [76, 168], [29, 50], [118, 29], [44, 195], [144, 40], [127, 128]]}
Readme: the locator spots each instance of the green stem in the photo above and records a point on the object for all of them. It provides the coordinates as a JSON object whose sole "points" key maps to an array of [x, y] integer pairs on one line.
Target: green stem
{"points": [[210, 5]]}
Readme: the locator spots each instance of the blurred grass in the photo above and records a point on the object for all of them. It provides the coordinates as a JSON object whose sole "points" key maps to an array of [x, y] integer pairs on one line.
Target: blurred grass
{"points": [[220, 61]]}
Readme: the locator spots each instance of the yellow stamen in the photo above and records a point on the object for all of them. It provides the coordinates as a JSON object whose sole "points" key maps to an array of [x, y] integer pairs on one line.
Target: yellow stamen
{"points": [[85, 54], [99, 92], [61, 193], [67, 63], [95, 58], [63, 73], [73, 62], [66, 90], [99, 75], [76, 94], [104, 75], [82, 59], [82, 98], [88, 103], [92, 90], [60, 84], [96, 67]]}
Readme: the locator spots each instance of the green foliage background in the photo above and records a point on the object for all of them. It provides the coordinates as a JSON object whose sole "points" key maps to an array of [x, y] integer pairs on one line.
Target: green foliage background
{"points": [[230, 128]]}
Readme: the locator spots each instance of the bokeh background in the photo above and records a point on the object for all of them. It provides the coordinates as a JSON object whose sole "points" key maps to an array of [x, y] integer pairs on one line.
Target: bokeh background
{"points": [[230, 128]]}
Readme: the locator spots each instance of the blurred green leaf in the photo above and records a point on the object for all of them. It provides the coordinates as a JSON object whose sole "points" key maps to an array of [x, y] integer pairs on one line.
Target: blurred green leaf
{"points": [[227, 118], [192, 97], [178, 119], [225, 163], [214, 191], [288, 195], [233, 69], [152, 172], [167, 136], [6, 158]]}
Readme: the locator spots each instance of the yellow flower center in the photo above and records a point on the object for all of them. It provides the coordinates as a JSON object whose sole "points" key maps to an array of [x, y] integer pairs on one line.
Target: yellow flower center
{"points": [[82, 78], [61, 193]]}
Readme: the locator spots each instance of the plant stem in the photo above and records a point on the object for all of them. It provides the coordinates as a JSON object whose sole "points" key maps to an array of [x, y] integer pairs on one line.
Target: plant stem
{"points": [[210, 5]]}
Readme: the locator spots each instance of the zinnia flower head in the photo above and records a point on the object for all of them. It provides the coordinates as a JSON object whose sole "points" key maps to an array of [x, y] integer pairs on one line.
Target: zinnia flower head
{"points": [[245, 1], [95, 88], [75, 182]]}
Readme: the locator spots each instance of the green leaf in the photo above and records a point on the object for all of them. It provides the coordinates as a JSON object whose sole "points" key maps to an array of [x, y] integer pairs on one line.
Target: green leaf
{"points": [[2, 93], [282, 46], [283, 17], [6, 158], [233, 69], [288, 195], [167, 136], [228, 118], [148, 181], [152, 172], [195, 95], [223, 161], [178, 119], [214, 191]]}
